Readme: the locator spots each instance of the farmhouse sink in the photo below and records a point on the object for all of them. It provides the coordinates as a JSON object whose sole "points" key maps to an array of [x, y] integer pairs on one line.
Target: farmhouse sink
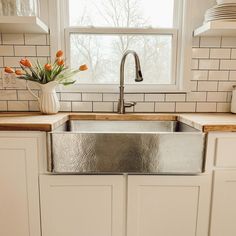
{"points": [[138, 147]]}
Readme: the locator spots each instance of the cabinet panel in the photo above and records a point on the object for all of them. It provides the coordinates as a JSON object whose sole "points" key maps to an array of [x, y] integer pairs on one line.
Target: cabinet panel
{"points": [[225, 151], [224, 204], [82, 205], [19, 198], [166, 205]]}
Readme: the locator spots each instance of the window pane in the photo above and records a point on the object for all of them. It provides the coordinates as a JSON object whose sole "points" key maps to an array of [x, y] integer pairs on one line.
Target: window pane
{"points": [[121, 13], [103, 53]]}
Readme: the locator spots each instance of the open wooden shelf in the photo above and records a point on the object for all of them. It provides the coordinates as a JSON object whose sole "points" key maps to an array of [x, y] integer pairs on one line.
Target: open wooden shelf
{"points": [[22, 24], [217, 28]]}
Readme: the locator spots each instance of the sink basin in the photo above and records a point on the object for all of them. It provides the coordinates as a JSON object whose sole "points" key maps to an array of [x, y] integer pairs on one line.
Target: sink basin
{"points": [[138, 147]]}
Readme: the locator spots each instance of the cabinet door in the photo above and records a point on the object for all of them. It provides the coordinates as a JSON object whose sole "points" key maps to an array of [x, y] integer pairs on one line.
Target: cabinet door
{"points": [[82, 205], [168, 205], [19, 197], [223, 215]]}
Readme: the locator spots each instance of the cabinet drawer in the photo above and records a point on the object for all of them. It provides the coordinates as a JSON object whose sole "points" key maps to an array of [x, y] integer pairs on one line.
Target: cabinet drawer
{"points": [[225, 152]]}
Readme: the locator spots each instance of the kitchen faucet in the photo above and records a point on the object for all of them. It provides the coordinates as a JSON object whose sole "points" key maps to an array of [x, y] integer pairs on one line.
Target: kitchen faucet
{"points": [[139, 78]]}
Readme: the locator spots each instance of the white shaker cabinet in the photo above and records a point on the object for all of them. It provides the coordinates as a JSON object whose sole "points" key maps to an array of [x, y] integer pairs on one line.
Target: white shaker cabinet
{"points": [[19, 192], [224, 204], [82, 205], [168, 205], [221, 159]]}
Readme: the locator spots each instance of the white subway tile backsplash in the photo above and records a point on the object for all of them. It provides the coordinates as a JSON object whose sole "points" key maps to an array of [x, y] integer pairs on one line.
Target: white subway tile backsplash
{"points": [[103, 106], [154, 97], [175, 97], [229, 42], [185, 107], [223, 107], [218, 75], [207, 86], [8, 95], [232, 75], [18, 105], [228, 65], [3, 106], [229, 97], [217, 96], [193, 85], [1, 61], [165, 107], [213, 74], [196, 96], [220, 53], [144, 107], [6, 50], [92, 97], [15, 39], [43, 51], [82, 106], [25, 51], [12, 61], [199, 75], [134, 97], [196, 42], [206, 107], [35, 39], [65, 106], [209, 64], [26, 95], [71, 96], [110, 97], [226, 86], [200, 53], [33, 106], [210, 42], [195, 64], [233, 54]]}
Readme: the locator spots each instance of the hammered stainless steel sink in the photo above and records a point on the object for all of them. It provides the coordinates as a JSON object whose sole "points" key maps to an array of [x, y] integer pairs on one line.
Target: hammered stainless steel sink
{"points": [[138, 147]]}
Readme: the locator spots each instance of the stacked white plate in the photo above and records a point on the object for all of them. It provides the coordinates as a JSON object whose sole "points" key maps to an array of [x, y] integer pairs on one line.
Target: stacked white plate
{"points": [[222, 12]]}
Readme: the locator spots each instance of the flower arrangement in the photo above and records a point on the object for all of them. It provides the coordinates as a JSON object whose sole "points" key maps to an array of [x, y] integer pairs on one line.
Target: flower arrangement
{"points": [[44, 74]]}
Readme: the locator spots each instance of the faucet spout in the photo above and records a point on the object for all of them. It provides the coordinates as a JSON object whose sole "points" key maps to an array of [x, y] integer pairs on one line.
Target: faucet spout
{"points": [[138, 78]]}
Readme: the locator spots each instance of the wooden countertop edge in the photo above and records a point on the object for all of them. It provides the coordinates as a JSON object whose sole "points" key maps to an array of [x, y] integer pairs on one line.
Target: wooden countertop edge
{"points": [[34, 126], [26, 127], [63, 117], [218, 128]]}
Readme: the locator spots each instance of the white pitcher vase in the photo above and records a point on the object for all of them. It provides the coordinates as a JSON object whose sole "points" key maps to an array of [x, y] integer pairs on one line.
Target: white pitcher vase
{"points": [[48, 100]]}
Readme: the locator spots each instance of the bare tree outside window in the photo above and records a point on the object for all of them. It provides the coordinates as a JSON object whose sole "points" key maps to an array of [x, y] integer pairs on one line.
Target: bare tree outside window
{"points": [[102, 52]]}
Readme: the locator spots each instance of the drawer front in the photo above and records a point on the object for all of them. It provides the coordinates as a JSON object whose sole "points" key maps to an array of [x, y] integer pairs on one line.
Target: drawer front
{"points": [[225, 152]]}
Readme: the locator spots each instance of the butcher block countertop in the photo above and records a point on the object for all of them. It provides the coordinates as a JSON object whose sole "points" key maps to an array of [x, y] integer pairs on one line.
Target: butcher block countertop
{"points": [[34, 121]]}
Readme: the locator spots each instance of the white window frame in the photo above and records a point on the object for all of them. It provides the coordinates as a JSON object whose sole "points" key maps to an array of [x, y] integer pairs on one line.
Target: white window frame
{"points": [[181, 47]]}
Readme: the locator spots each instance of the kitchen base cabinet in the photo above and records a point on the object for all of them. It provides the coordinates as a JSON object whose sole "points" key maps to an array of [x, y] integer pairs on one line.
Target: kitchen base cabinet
{"points": [[223, 217], [19, 192], [82, 205], [168, 205]]}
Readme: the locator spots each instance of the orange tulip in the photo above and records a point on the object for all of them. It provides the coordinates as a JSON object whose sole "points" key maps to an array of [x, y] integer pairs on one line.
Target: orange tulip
{"points": [[48, 67], [9, 70], [19, 72], [59, 53], [60, 62], [83, 67], [25, 62]]}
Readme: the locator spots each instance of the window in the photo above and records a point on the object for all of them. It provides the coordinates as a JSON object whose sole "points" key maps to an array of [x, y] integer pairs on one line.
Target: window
{"points": [[100, 31]]}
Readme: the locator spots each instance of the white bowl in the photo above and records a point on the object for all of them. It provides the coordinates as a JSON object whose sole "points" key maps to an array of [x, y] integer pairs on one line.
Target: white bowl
{"points": [[225, 1]]}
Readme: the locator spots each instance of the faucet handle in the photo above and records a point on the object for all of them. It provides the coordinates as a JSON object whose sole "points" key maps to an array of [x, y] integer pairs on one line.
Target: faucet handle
{"points": [[130, 104]]}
